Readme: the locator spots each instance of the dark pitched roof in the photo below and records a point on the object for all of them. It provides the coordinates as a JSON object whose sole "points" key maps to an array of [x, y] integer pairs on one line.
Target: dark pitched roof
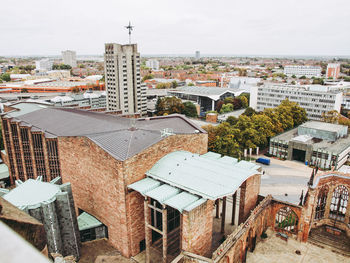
{"points": [[121, 137]]}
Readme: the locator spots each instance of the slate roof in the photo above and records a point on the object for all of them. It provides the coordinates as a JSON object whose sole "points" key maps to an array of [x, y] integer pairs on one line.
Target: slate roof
{"points": [[120, 137]]}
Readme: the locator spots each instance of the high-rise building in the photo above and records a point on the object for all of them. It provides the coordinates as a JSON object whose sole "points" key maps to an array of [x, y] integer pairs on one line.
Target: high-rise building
{"points": [[333, 70], [123, 79], [152, 64], [198, 55], [69, 57], [43, 64]]}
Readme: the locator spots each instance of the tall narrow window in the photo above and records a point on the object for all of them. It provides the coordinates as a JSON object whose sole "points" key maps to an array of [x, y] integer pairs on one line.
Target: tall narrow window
{"points": [[54, 163], [26, 152], [321, 202], [339, 203], [286, 219], [9, 149], [39, 155], [17, 149]]}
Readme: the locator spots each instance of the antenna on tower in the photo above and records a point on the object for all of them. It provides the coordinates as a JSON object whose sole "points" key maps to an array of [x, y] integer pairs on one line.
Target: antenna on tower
{"points": [[130, 28]]}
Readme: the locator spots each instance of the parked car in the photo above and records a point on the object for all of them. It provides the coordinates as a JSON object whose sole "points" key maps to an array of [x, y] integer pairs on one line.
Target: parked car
{"points": [[265, 161]]}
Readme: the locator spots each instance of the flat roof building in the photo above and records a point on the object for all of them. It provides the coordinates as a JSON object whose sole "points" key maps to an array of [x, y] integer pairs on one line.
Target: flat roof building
{"points": [[317, 143], [299, 71], [313, 98]]}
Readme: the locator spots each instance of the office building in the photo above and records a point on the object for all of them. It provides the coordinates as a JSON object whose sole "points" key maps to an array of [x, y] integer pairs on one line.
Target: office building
{"points": [[152, 64], [315, 99], [333, 70], [123, 79], [299, 71], [197, 55], [53, 206], [69, 57], [317, 143], [43, 65]]}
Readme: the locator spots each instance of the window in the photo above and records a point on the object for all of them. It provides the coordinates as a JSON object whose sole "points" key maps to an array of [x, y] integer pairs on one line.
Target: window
{"points": [[321, 202], [26, 152], [8, 148], [54, 163], [39, 156], [286, 220], [173, 217], [339, 203], [17, 149]]}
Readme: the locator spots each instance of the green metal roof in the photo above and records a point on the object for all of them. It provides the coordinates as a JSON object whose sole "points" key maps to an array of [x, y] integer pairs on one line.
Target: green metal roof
{"points": [[163, 192], [207, 177], [87, 221]]}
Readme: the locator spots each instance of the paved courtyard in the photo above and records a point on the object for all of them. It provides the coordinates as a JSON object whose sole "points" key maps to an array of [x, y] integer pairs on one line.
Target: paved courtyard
{"points": [[276, 250], [285, 180]]}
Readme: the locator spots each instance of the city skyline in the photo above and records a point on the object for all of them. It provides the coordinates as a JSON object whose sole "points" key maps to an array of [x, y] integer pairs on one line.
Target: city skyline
{"points": [[314, 29]]}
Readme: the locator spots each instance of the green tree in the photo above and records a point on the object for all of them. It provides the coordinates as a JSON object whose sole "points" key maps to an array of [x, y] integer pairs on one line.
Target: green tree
{"points": [[244, 101], [294, 77], [249, 112], [169, 105], [302, 77], [24, 90], [5, 77], [226, 108], [190, 84], [148, 76], [174, 84], [190, 109], [330, 116], [319, 81]]}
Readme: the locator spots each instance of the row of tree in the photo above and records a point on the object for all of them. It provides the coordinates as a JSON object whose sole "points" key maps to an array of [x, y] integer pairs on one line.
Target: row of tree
{"points": [[253, 129], [61, 66], [170, 105], [229, 104]]}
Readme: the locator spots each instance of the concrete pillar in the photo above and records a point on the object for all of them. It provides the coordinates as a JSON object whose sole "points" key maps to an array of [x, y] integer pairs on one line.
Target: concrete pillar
{"points": [[148, 235], [234, 197], [51, 225], [31, 146], [223, 215], [212, 105], [165, 233]]}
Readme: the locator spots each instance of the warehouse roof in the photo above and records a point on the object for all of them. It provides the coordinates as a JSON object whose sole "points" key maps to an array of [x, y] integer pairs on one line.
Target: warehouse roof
{"points": [[121, 137], [184, 180]]}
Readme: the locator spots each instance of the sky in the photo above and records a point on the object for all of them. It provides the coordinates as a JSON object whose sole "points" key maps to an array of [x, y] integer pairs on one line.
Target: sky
{"points": [[244, 27]]}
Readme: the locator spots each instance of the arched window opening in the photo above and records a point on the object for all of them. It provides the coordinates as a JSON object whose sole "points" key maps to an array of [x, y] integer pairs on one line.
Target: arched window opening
{"points": [[339, 203], [321, 203], [286, 220]]}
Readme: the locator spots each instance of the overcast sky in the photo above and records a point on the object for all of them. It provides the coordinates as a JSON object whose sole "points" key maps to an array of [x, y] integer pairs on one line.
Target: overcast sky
{"points": [[262, 27]]}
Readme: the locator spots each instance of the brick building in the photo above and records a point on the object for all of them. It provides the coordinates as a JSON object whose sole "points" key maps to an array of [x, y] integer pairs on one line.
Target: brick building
{"points": [[102, 156]]}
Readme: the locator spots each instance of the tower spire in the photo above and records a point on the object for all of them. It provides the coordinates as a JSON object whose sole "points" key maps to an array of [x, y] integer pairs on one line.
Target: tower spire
{"points": [[130, 28]]}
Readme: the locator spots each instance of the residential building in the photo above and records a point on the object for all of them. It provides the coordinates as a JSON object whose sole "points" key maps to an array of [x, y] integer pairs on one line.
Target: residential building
{"points": [[298, 71], [43, 64], [316, 143], [206, 97], [333, 70], [87, 100], [152, 64], [197, 55], [69, 57], [315, 99], [53, 206], [123, 80]]}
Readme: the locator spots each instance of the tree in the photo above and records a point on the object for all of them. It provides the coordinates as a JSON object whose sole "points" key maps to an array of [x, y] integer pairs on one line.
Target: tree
{"points": [[330, 116], [302, 77], [5, 77], [244, 101], [262, 125], [190, 109], [219, 105], [229, 100], [294, 77], [148, 76], [174, 84], [169, 105], [249, 112], [62, 66], [319, 81], [226, 108], [275, 120], [237, 104], [232, 120], [24, 90], [190, 84]]}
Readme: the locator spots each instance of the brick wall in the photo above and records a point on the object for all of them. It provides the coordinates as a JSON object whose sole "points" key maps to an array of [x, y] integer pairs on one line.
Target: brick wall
{"points": [[99, 183], [197, 229]]}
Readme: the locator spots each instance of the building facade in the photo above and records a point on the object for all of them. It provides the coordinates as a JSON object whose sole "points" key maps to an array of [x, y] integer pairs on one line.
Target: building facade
{"points": [[197, 54], [69, 57], [307, 71], [316, 143], [123, 79], [43, 65], [152, 64], [314, 100], [333, 70]]}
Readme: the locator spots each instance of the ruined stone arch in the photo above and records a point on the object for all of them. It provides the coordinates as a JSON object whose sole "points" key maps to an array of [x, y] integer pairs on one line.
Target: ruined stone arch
{"points": [[339, 203], [286, 220], [321, 202]]}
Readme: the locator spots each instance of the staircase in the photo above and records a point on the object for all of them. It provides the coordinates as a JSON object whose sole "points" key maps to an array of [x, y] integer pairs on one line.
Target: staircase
{"points": [[338, 244]]}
